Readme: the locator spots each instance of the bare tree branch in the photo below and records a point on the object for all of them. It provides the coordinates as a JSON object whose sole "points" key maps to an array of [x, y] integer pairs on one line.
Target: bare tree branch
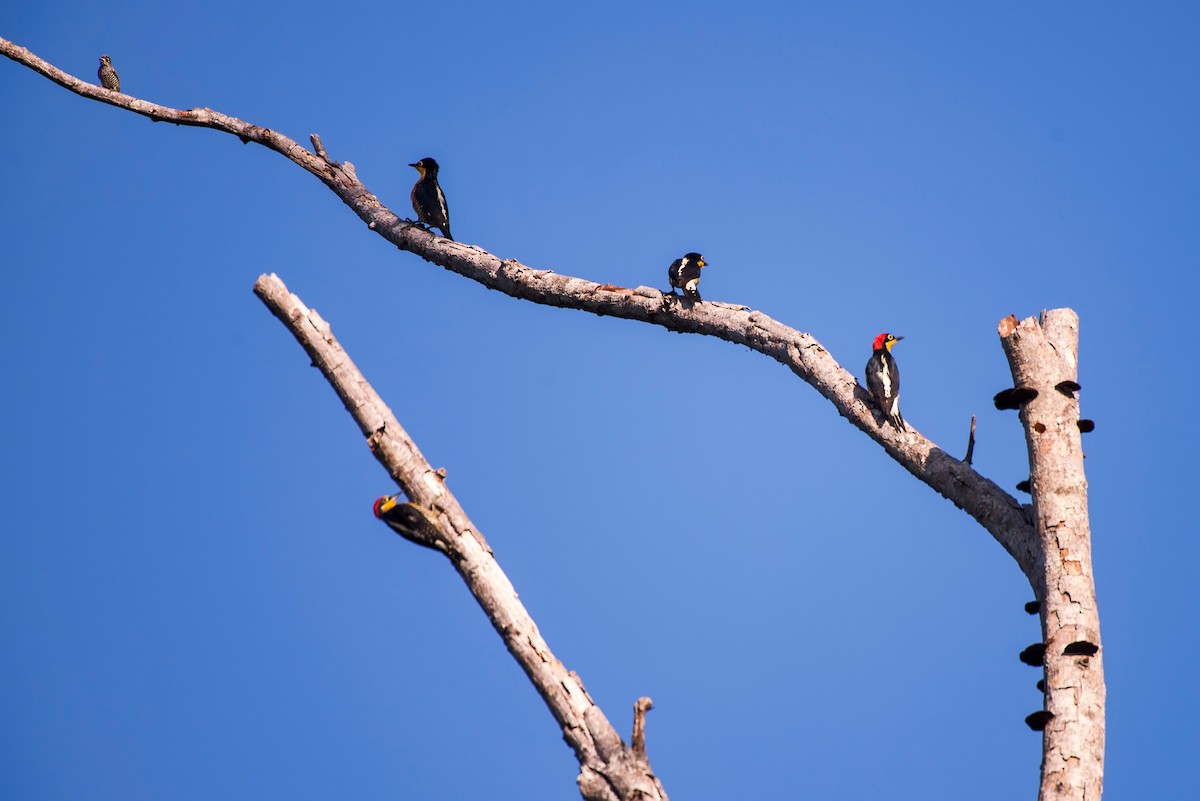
{"points": [[992, 507], [1043, 356], [608, 769], [196, 117], [1051, 545]]}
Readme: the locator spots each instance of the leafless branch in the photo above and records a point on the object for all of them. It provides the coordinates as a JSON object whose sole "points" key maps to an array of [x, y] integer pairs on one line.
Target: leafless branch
{"points": [[1051, 545], [608, 769], [995, 509]]}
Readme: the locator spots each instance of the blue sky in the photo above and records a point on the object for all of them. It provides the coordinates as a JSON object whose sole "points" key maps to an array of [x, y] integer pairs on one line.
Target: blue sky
{"points": [[196, 601]]}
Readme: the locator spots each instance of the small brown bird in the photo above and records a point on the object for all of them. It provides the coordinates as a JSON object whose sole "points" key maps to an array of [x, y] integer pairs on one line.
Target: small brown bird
{"points": [[107, 75], [427, 199]]}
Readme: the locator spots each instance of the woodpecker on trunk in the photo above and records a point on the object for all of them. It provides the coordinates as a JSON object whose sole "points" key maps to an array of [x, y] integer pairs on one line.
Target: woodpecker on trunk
{"points": [[427, 199], [883, 379], [685, 274], [107, 75]]}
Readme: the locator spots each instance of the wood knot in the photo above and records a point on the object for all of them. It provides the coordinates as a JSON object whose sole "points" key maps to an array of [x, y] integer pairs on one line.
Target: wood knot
{"points": [[376, 438]]}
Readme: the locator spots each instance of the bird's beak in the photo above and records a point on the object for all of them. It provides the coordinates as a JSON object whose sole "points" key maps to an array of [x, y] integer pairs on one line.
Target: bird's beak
{"points": [[897, 338], [414, 166], [384, 505]]}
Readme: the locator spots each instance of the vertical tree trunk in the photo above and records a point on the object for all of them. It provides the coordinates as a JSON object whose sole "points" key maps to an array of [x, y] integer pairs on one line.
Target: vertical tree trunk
{"points": [[1043, 356]]}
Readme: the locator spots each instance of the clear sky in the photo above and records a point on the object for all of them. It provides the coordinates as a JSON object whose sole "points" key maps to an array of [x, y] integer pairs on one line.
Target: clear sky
{"points": [[195, 601]]}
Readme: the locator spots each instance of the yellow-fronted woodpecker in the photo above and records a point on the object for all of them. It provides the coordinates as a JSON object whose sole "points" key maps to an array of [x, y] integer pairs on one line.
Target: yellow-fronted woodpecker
{"points": [[883, 378], [685, 274], [427, 199], [409, 521]]}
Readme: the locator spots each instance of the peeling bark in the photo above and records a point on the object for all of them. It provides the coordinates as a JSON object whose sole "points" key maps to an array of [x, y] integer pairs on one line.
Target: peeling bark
{"points": [[1043, 356]]}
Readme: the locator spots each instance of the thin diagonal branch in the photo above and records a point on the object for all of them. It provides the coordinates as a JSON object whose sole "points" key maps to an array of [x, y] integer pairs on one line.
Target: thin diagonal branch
{"points": [[195, 117], [608, 769], [800, 352]]}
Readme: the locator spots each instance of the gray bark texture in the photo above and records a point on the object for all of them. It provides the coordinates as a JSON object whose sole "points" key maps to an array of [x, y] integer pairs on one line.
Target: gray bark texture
{"points": [[1043, 355], [1050, 545]]}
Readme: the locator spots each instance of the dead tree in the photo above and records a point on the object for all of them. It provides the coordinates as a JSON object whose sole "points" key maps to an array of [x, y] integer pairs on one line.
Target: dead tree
{"points": [[1049, 539]]}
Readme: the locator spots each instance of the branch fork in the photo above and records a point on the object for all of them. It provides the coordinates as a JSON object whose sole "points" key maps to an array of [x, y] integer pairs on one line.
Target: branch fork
{"points": [[1049, 540]]}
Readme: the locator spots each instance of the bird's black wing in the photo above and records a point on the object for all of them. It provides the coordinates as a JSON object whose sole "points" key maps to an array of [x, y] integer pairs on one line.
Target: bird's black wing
{"points": [[673, 274], [894, 374], [430, 205], [875, 383], [443, 211], [689, 272]]}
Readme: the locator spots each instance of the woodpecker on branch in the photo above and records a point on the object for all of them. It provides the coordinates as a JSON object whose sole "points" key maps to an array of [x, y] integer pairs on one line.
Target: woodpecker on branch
{"points": [[883, 379], [685, 274], [408, 520], [107, 75], [427, 199]]}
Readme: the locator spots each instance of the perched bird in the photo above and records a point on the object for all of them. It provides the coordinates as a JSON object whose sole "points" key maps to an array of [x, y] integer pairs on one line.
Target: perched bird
{"points": [[107, 75], [428, 201], [883, 379], [685, 274], [407, 520]]}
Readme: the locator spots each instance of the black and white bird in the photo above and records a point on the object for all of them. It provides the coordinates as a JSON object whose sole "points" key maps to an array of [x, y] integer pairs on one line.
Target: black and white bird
{"points": [[427, 199], [107, 75], [685, 274], [883, 379]]}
